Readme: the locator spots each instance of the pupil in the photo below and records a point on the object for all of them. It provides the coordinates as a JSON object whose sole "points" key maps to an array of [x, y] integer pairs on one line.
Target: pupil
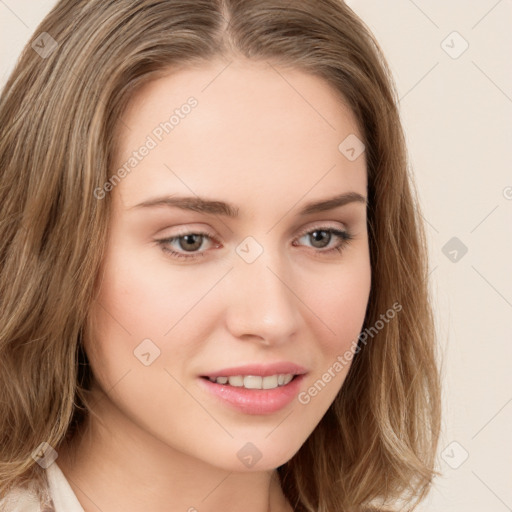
{"points": [[192, 242], [318, 236]]}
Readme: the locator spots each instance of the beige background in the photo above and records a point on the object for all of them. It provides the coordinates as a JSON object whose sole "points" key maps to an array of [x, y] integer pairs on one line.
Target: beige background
{"points": [[457, 112]]}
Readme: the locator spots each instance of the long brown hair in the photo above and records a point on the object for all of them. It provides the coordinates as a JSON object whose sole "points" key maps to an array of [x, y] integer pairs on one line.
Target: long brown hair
{"points": [[58, 114]]}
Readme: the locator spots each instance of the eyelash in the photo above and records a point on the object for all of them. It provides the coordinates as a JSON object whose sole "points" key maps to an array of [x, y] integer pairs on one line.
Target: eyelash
{"points": [[344, 236]]}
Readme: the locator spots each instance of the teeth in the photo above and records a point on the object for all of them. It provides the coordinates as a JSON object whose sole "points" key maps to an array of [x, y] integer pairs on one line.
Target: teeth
{"points": [[254, 381], [237, 381]]}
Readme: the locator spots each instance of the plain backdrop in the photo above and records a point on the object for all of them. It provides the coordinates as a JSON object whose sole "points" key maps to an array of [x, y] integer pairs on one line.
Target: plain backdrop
{"points": [[451, 62]]}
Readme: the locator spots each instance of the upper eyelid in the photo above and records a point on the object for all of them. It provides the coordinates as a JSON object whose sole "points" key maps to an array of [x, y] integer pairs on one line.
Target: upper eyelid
{"points": [[316, 225], [326, 226], [214, 239]]}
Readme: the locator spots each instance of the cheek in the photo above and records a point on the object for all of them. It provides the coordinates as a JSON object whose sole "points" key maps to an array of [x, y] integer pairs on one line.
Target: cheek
{"points": [[338, 309], [140, 296], [139, 300], [122, 315], [339, 304]]}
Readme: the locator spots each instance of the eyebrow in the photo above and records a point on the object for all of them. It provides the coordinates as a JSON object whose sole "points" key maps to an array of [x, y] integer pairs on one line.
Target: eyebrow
{"points": [[202, 205]]}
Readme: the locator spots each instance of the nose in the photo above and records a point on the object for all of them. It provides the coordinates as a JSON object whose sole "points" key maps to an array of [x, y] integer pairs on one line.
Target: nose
{"points": [[261, 303]]}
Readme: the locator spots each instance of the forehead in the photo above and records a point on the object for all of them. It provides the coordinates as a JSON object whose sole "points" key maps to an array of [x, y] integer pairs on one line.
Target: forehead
{"points": [[254, 128]]}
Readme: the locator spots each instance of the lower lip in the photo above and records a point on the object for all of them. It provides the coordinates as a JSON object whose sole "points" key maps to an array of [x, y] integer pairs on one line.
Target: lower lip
{"points": [[255, 401]]}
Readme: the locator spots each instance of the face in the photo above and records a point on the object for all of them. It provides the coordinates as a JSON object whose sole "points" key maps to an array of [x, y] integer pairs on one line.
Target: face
{"points": [[254, 275]]}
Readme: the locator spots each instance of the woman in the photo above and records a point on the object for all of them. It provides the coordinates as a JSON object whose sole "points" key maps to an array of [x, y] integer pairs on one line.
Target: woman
{"points": [[214, 277]]}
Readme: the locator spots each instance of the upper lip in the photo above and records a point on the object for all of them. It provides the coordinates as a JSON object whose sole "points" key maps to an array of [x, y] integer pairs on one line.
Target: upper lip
{"points": [[261, 370]]}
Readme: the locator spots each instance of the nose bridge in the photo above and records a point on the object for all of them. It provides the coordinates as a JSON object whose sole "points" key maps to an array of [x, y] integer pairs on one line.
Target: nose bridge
{"points": [[261, 302]]}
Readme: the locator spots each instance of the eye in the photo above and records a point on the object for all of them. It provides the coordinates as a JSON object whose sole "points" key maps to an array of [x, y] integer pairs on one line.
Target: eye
{"points": [[322, 236], [186, 243], [192, 242]]}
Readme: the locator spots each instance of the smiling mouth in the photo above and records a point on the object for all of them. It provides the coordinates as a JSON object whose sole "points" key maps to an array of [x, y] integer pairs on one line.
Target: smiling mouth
{"points": [[254, 381]]}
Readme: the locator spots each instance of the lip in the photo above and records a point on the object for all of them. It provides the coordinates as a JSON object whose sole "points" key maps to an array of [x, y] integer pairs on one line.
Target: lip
{"points": [[254, 401], [259, 370]]}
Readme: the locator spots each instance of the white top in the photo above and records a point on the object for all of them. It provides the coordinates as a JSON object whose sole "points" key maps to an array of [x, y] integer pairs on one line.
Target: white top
{"points": [[59, 490]]}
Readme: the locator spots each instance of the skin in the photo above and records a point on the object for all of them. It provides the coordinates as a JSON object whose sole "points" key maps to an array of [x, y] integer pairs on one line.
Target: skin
{"points": [[266, 139]]}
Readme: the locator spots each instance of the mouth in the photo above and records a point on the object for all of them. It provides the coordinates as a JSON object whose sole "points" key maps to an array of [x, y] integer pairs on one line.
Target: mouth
{"points": [[254, 394], [254, 381]]}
